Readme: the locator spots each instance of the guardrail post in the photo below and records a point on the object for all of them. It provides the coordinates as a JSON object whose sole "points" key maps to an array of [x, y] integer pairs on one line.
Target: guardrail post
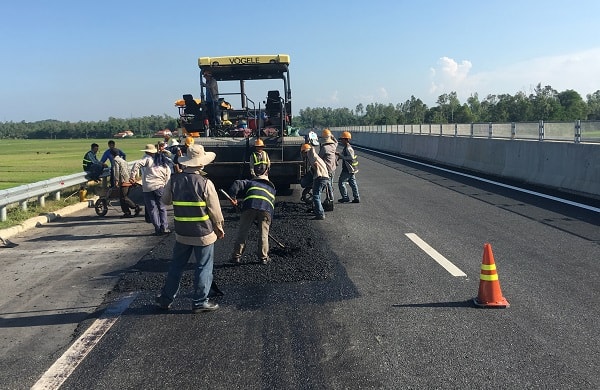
{"points": [[578, 131], [513, 130], [472, 130], [490, 130], [455, 129], [2, 213], [541, 131], [57, 195], [23, 205], [441, 129], [42, 200]]}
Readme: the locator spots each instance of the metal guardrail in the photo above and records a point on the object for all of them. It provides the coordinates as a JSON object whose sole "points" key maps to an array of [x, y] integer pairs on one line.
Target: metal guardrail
{"points": [[40, 190], [576, 132], [22, 194]]}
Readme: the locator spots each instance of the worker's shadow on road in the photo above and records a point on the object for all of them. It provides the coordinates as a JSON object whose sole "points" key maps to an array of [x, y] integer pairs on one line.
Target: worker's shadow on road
{"points": [[39, 318]]}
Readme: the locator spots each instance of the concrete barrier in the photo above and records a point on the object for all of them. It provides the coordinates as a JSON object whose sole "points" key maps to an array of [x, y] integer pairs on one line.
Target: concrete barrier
{"points": [[568, 167]]}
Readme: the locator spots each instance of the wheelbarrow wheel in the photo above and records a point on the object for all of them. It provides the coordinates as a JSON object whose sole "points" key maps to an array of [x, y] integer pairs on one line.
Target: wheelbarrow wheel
{"points": [[101, 207]]}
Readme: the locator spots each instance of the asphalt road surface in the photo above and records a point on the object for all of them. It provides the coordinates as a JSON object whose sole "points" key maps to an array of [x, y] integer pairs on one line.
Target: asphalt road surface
{"points": [[351, 302]]}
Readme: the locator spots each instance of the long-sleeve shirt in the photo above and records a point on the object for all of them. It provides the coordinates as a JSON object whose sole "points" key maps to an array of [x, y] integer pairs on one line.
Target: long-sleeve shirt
{"points": [[107, 156], [212, 90], [327, 154], [318, 167], [348, 159], [213, 205], [153, 176], [258, 194], [121, 171], [90, 159]]}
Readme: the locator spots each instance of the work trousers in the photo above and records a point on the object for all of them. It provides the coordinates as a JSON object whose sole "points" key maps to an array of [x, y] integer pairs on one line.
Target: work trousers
{"points": [[156, 210], [320, 184], [351, 179], [126, 204], [263, 218], [203, 271]]}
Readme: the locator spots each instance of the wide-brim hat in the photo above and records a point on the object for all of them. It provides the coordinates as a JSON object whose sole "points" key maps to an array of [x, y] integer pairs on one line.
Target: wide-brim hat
{"points": [[196, 156], [150, 148]]}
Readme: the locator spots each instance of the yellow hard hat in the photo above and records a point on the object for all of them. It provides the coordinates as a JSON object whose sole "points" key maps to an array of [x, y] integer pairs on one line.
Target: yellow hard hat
{"points": [[346, 135], [326, 133], [305, 147], [259, 142]]}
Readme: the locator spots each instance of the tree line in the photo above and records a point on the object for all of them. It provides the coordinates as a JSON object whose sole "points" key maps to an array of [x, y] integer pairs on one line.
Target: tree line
{"points": [[544, 103], [54, 129]]}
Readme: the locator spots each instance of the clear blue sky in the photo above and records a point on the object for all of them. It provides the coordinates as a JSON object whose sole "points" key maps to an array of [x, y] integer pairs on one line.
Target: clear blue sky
{"points": [[91, 60]]}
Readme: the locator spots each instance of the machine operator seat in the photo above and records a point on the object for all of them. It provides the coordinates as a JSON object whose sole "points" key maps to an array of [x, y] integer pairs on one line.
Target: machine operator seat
{"points": [[273, 104], [191, 107]]}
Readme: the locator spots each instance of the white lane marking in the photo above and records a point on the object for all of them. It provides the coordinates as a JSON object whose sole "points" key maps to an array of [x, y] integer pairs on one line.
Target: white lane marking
{"points": [[66, 364], [534, 193], [435, 255]]}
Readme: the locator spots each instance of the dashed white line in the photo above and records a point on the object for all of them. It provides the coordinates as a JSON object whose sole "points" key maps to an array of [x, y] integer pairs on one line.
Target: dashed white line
{"points": [[435, 255], [66, 364]]}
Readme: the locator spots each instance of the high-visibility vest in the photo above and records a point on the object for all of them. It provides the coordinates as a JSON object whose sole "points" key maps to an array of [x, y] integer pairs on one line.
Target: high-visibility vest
{"points": [[260, 162], [259, 196], [189, 206], [86, 161], [349, 166]]}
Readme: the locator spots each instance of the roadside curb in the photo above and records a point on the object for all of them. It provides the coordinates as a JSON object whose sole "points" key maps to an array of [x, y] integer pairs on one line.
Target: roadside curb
{"points": [[43, 219]]}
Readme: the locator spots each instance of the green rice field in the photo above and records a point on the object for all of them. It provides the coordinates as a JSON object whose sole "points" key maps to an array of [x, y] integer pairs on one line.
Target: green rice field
{"points": [[30, 161]]}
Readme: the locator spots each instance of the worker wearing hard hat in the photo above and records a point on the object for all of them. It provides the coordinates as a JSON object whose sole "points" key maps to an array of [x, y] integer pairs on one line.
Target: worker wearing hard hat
{"points": [[320, 178], [259, 160], [349, 169], [327, 153]]}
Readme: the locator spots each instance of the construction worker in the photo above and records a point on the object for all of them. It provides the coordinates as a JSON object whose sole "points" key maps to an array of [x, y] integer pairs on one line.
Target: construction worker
{"points": [[349, 170], [327, 153], [91, 165], [123, 183], [212, 99], [320, 178], [259, 160], [198, 225], [258, 205]]}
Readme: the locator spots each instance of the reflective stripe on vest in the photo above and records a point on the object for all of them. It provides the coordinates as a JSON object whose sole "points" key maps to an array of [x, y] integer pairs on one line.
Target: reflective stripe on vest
{"points": [[251, 194], [189, 209], [191, 219], [258, 161], [184, 203]]}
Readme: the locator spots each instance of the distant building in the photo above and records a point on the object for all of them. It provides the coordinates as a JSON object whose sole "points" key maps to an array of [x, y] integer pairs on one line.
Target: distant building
{"points": [[124, 134], [162, 133]]}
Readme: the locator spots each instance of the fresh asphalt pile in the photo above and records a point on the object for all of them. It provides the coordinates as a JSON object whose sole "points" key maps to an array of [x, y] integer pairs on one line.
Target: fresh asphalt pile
{"points": [[303, 257]]}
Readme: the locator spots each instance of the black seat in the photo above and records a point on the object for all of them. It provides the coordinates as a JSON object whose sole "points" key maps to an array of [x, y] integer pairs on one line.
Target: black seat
{"points": [[273, 104], [191, 107]]}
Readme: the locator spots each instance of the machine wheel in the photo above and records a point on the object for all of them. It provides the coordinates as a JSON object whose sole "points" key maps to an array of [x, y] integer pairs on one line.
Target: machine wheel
{"points": [[101, 207]]}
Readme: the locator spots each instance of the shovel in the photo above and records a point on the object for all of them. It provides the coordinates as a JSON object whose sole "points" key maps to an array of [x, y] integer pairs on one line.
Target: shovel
{"points": [[7, 243], [237, 208]]}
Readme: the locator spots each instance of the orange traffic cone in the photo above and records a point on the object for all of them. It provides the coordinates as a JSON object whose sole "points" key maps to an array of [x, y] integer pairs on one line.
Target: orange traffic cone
{"points": [[490, 294]]}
